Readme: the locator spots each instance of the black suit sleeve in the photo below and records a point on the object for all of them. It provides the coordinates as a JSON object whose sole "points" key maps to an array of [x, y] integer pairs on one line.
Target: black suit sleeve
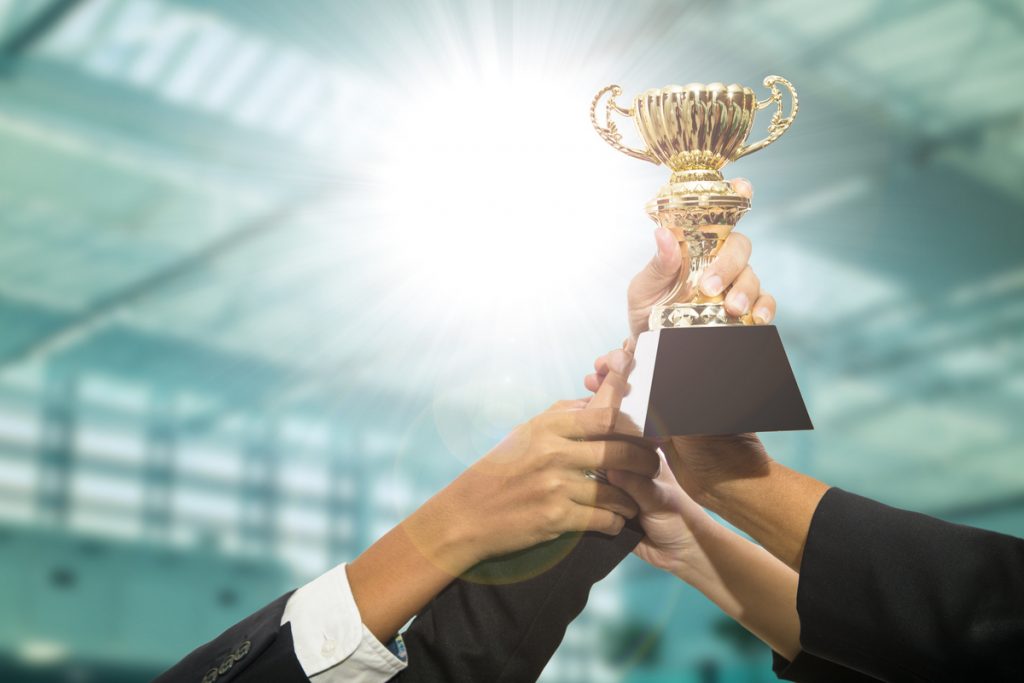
{"points": [[493, 627], [257, 648], [906, 597], [490, 627]]}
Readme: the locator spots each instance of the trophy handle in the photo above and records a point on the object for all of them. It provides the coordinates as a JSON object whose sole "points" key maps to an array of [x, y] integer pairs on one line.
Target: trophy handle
{"points": [[610, 132], [778, 125]]}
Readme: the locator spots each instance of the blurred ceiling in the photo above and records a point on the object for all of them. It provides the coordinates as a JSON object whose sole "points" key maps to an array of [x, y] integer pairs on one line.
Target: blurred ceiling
{"points": [[177, 184]]}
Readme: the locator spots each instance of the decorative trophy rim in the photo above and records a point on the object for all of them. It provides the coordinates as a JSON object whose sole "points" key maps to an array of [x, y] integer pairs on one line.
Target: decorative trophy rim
{"points": [[715, 86]]}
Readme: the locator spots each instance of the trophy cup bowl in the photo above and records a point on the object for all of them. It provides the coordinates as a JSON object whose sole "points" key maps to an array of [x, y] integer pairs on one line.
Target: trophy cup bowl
{"points": [[695, 126], [695, 130]]}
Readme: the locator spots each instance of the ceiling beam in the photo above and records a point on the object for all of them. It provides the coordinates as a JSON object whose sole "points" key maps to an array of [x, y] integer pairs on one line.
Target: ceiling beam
{"points": [[127, 119], [102, 311], [37, 27]]}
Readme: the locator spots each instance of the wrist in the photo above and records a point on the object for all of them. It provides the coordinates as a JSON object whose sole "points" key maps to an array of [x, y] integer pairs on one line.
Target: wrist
{"points": [[711, 468], [721, 495], [443, 535], [691, 564]]}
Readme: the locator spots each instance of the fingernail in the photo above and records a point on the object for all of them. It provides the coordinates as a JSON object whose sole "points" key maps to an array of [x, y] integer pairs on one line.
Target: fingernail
{"points": [[762, 316], [712, 285], [749, 188], [740, 301]]}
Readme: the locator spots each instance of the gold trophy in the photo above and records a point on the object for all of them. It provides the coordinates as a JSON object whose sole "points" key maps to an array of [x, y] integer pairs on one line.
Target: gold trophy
{"points": [[744, 378]]}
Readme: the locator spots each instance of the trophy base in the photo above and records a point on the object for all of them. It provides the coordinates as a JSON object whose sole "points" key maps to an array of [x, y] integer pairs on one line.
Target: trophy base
{"points": [[713, 380]]}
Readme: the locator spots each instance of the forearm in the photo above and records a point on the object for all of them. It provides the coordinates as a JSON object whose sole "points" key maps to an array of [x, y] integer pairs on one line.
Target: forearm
{"points": [[399, 574], [775, 509], [505, 624], [747, 583]]}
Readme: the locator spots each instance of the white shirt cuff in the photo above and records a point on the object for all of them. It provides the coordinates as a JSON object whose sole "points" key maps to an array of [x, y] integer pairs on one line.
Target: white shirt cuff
{"points": [[331, 642]]}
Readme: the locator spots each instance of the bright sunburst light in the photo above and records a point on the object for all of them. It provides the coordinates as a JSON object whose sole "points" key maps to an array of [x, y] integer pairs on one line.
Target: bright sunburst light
{"points": [[492, 182], [489, 229]]}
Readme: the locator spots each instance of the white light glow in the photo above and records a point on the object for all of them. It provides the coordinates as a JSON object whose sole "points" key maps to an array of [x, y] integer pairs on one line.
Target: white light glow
{"points": [[491, 190], [485, 230]]}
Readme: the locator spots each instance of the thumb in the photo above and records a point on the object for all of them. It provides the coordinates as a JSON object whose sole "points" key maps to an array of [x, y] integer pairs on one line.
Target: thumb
{"points": [[641, 489], [663, 268]]}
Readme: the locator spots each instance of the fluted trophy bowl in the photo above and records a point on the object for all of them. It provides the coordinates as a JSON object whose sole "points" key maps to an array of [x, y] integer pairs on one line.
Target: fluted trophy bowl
{"points": [[695, 126], [695, 130]]}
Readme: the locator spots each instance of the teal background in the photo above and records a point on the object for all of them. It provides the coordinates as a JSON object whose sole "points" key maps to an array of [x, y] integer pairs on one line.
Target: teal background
{"points": [[271, 273]]}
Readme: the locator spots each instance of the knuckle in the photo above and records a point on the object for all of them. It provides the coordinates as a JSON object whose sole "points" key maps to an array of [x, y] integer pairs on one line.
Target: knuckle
{"points": [[754, 282], [727, 265], [590, 423], [553, 485], [536, 456], [742, 241], [552, 515], [550, 453]]}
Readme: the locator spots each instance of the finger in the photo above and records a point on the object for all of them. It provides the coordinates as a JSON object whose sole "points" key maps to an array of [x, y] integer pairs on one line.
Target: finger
{"points": [[642, 490], [611, 391], [619, 361], [593, 381], [727, 266], [597, 494], [614, 454], [764, 309], [661, 272], [743, 293], [585, 518], [742, 186]]}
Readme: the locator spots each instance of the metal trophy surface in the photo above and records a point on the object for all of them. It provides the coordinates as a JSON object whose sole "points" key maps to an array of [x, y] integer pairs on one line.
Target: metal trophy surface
{"points": [[700, 370]]}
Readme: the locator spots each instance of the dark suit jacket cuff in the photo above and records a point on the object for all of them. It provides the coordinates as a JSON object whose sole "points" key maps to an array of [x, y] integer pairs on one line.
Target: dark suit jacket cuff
{"points": [[854, 562], [806, 668]]}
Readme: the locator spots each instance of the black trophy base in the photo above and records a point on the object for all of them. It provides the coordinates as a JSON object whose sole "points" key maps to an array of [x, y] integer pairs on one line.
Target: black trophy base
{"points": [[713, 380]]}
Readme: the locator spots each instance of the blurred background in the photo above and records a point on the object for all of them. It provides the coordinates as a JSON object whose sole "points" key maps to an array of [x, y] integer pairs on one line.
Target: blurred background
{"points": [[274, 272]]}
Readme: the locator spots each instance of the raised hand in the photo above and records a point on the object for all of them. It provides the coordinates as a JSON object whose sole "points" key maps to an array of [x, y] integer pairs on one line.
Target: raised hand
{"points": [[748, 583], [530, 488], [730, 268], [533, 487], [668, 517]]}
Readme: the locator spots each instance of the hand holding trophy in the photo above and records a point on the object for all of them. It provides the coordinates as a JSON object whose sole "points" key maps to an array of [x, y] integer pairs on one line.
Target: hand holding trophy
{"points": [[701, 370]]}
